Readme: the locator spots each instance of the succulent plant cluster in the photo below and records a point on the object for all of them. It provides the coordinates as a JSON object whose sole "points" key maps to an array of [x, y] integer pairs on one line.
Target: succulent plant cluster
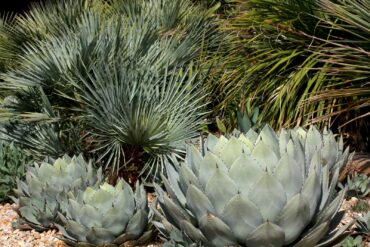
{"points": [[257, 189], [106, 215], [363, 224], [263, 189], [13, 163], [352, 242], [43, 193], [70, 195], [358, 185]]}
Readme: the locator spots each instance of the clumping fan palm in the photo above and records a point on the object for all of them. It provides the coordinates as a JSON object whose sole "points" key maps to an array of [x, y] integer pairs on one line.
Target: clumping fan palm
{"points": [[118, 79], [134, 114], [44, 191], [256, 190], [106, 216]]}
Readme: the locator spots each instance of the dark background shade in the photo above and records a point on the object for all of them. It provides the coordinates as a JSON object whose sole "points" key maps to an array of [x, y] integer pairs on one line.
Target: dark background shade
{"points": [[18, 6]]}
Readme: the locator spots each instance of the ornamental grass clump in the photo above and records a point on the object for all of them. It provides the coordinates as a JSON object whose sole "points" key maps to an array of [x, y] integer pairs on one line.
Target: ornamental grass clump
{"points": [[256, 190], [44, 191]]}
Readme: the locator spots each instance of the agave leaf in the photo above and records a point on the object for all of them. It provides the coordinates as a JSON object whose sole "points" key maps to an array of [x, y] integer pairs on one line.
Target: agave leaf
{"points": [[60, 164], [64, 233], [313, 143], [252, 136], [266, 235], [329, 151], [315, 164], [127, 203], [88, 194], [220, 145], [314, 236], [35, 186], [245, 171], [29, 214], [211, 141], [89, 216], [62, 218], [244, 122], [97, 235], [336, 235], [328, 213], [173, 182], [178, 196], [346, 156], [295, 149], [141, 197], [328, 192], [76, 230], [288, 172], [108, 188], [192, 232], [249, 144], [242, 216], [194, 158], [166, 227], [187, 177], [176, 213], [22, 186], [294, 218], [137, 224], [217, 232], [265, 156], [45, 170], [211, 163], [268, 188], [220, 196], [113, 220], [325, 185], [270, 138], [231, 151], [284, 138], [312, 191], [198, 202], [74, 209], [144, 239]]}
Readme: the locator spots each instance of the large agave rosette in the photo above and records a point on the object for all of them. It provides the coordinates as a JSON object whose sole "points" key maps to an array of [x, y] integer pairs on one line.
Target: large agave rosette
{"points": [[256, 190]]}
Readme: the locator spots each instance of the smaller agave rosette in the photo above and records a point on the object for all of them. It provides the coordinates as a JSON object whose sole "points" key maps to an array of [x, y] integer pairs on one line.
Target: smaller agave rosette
{"points": [[255, 190], [106, 216], [42, 194]]}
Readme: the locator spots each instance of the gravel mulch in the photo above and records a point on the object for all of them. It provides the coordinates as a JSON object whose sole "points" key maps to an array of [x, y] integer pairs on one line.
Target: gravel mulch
{"points": [[10, 237], [16, 238]]}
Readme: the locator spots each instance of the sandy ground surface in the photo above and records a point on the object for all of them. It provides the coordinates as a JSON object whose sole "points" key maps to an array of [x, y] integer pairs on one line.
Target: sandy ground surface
{"points": [[10, 237], [16, 238]]}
